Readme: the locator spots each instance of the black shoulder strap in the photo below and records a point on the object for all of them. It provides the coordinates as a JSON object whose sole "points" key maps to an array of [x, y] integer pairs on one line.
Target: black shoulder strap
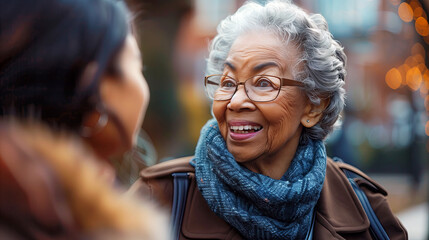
{"points": [[180, 184], [376, 228]]}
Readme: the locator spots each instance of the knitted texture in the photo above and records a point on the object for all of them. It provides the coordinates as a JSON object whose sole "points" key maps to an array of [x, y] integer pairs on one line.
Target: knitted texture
{"points": [[258, 206]]}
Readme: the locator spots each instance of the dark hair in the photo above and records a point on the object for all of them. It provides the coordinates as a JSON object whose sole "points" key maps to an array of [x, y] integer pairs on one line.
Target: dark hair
{"points": [[46, 47]]}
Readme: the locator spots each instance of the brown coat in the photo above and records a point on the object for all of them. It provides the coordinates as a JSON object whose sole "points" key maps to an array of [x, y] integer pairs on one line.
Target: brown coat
{"points": [[339, 214]]}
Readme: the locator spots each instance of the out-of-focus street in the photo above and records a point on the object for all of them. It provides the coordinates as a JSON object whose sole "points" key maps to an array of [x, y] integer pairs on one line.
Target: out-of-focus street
{"points": [[415, 220], [409, 204]]}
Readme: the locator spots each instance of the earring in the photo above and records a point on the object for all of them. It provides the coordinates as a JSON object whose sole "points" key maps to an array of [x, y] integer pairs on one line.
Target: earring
{"points": [[101, 123], [308, 120]]}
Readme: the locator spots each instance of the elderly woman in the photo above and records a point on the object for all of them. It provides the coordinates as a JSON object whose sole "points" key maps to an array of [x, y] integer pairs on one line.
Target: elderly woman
{"points": [[260, 170]]}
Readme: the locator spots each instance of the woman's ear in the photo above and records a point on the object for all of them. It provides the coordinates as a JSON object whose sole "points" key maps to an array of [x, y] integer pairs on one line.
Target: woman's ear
{"points": [[313, 113], [87, 76]]}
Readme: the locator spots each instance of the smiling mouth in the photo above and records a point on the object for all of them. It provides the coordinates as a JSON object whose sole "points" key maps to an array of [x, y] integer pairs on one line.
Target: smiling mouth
{"points": [[244, 129]]}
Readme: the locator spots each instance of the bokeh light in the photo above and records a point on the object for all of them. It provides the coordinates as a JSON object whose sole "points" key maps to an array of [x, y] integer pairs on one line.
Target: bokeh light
{"points": [[426, 38], [418, 49], [393, 78], [419, 59], [405, 12], [422, 27], [427, 128], [414, 78], [424, 88], [423, 92], [422, 67], [414, 4], [419, 12], [426, 79], [411, 61], [403, 69]]}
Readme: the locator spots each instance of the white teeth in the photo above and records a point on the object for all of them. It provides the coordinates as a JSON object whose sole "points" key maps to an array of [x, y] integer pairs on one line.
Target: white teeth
{"points": [[245, 128]]}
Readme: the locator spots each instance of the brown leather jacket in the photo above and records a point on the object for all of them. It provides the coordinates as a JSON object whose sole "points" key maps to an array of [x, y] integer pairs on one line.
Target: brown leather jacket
{"points": [[339, 214]]}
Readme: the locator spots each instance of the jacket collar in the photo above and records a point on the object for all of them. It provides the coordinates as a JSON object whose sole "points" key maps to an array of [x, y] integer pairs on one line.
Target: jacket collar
{"points": [[338, 204], [338, 208]]}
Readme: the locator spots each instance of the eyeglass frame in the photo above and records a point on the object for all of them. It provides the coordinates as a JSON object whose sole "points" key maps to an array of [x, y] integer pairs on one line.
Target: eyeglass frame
{"points": [[283, 82]]}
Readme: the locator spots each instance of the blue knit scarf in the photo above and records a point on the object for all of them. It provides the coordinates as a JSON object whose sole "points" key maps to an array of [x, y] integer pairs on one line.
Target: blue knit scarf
{"points": [[258, 206]]}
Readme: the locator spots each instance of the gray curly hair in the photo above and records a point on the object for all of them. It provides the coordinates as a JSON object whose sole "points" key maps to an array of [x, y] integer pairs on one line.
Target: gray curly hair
{"points": [[322, 58]]}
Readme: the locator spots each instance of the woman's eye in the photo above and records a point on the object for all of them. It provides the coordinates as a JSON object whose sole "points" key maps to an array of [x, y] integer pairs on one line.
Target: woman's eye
{"points": [[228, 84], [264, 83]]}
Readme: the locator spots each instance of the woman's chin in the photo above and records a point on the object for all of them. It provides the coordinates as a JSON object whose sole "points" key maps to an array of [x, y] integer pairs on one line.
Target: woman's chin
{"points": [[242, 157]]}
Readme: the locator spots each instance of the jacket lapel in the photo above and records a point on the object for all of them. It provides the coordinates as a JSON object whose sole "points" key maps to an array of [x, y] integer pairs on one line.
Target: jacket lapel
{"points": [[199, 222]]}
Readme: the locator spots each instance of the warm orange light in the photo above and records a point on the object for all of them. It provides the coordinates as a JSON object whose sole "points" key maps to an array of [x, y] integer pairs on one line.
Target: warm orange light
{"points": [[414, 4], [424, 88], [427, 128], [414, 78], [423, 93], [426, 79], [422, 67], [422, 26], [419, 58], [418, 49], [426, 38], [405, 12], [403, 69], [393, 78], [411, 61], [419, 12]]}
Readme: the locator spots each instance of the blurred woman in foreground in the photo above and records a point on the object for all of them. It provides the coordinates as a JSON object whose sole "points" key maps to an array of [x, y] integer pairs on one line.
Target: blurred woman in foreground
{"points": [[72, 96]]}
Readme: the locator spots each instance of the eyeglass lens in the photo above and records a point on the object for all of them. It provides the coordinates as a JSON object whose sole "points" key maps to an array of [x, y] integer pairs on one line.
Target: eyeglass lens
{"points": [[258, 88]]}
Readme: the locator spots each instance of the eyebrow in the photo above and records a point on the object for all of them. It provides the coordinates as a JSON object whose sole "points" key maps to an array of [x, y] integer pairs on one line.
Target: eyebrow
{"points": [[261, 66], [256, 68], [228, 64]]}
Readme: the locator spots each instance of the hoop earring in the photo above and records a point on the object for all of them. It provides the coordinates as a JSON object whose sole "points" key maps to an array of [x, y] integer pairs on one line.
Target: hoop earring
{"points": [[101, 123]]}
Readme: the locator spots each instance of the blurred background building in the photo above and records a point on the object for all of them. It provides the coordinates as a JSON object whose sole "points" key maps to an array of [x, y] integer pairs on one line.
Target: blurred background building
{"points": [[385, 125]]}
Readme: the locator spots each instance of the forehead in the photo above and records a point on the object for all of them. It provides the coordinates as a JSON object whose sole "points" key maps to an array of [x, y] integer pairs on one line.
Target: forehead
{"points": [[259, 47]]}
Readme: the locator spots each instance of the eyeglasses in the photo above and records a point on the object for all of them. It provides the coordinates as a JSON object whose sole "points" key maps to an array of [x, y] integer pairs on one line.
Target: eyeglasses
{"points": [[259, 88]]}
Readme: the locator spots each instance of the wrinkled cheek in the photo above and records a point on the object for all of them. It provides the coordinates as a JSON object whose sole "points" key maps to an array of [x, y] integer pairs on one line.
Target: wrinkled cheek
{"points": [[283, 121], [219, 111], [276, 132]]}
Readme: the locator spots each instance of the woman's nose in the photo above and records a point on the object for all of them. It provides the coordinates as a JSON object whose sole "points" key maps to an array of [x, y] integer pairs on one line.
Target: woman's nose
{"points": [[240, 101]]}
